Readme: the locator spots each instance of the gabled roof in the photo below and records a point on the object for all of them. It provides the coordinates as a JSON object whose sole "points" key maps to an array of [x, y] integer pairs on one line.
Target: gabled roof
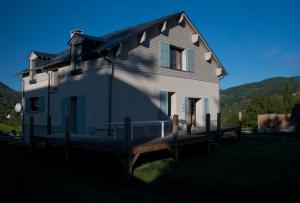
{"points": [[84, 37], [42, 55], [115, 38]]}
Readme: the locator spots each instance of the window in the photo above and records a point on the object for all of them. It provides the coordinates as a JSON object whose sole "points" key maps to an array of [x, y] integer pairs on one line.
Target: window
{"points": [[175, 58], [76, 56], [32, 75], [32, 79], [36, 104]]}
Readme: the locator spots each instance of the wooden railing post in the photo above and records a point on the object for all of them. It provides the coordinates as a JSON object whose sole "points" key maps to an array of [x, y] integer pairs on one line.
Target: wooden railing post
{"points": [[67, 137], [219, 133], [31, 133], [240, 124], [175, 135], [207, 124], [128, 128], [49, 125], [189, 124]]}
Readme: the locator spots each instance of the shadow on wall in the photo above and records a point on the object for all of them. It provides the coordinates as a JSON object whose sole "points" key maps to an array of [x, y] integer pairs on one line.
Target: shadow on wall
{"points": [[91, 110]]}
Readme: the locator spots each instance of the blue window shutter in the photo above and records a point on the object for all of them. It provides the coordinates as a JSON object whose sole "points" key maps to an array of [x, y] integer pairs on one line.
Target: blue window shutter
{"points": [[191, 60], [164, 55], [206, 106], [64, 111], [27, 104], [163, 111], [186, 106], [41, 104], [80, 114]]}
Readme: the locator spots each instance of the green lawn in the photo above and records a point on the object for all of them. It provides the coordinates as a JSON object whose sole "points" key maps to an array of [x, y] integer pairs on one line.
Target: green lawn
{"points": [[7, 128], [254, 169], [256, 160]]}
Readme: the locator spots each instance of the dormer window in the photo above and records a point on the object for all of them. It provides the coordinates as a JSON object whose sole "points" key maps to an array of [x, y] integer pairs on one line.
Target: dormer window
{"points": [[76, 52], [76, 56], [32, 77], [32, 67]]}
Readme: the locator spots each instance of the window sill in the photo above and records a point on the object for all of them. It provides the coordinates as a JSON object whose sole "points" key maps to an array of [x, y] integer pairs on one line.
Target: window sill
{"points": [[33, 81], [35, 112], [186, 71], [76, 72], [54, 90]]}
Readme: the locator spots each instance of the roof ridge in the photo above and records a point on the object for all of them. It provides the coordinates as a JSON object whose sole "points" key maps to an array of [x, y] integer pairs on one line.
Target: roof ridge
{"points": [[140, 24]]}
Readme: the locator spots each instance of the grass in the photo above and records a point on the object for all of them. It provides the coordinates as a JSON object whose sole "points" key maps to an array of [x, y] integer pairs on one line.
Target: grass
{"points": [[255, 161], [7, 128], [255, 169]]}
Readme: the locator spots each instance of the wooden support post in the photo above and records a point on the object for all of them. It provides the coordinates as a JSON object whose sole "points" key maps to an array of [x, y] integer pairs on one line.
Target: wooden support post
{"points": [[128, 128], [189, 124], [67, 137], [239, 133], [207, 124], [31, 133], [49, 125], [175, 136], [219, 135]]}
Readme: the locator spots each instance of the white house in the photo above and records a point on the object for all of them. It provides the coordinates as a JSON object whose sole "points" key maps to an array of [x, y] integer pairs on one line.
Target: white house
{"points": [[150, 71]]}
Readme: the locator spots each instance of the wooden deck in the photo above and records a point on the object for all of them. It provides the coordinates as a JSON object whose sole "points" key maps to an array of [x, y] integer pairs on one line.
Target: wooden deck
{"points": [[129, 150]]}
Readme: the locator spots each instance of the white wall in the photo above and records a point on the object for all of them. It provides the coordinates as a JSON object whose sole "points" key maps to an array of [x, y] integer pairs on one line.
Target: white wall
{"points": [[139, 108]]}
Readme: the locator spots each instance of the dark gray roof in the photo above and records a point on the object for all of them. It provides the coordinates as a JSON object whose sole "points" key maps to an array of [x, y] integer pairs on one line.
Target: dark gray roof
{"points": [[62, 56], [109, 40], [44, 55], [116, 37]]}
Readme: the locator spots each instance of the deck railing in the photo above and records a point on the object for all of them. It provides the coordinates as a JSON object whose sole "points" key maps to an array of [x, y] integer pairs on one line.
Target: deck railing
{"points": [[139, 124]]}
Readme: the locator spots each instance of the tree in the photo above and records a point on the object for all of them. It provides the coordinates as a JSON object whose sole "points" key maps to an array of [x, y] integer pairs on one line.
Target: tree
{"points": [[262, 104], [288, 97]]}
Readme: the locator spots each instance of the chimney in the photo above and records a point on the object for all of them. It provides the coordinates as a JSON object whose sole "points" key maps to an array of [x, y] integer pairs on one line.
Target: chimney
{"points": [[76, 31]]}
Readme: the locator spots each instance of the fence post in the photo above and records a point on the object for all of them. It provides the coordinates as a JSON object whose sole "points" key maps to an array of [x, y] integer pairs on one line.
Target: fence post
{"points": [[162, 129], [219, 133], [49, 125], [240, 124], [67, 137], [128, 135], [31, 133], [189, 124], [175, 135], [207, 125]]}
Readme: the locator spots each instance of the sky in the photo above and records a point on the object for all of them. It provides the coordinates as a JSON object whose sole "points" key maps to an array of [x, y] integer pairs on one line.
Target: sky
{"points": [[254, 40]]}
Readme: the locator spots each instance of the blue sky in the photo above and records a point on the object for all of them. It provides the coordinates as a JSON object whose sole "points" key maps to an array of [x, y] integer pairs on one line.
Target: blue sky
{"points": [[254, 40]]}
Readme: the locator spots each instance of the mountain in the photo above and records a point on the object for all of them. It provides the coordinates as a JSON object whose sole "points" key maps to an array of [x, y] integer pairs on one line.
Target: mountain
{"points": [[237, 97], [8, 99]]}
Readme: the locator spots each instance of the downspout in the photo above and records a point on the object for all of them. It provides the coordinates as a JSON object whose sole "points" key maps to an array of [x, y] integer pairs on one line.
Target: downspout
{"points": [[23, 107], [48, 107], [220, 78], [110, 86]]}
